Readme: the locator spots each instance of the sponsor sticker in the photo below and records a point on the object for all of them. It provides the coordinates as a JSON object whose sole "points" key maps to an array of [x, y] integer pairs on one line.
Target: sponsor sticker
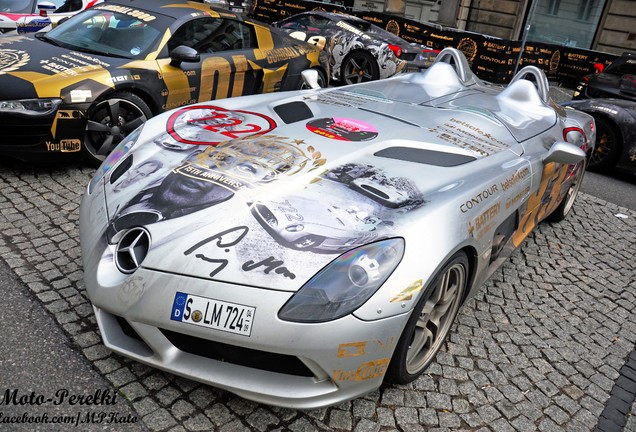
{"points": [[78, 96], [210, 125], [343, 129]]}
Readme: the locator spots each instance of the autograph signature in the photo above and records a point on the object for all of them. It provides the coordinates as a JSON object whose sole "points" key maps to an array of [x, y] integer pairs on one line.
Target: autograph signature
{"points": [[224, 240], [270, 264], [228, 239]]}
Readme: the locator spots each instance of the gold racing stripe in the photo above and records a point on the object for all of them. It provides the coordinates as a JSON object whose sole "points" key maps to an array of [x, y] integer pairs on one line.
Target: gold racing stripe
{"points": [[271, 77], [209, 67], [265, 42], [46, 84], [174, 79], [192, 5], [536, 210], [241, 67], [153, 55]]}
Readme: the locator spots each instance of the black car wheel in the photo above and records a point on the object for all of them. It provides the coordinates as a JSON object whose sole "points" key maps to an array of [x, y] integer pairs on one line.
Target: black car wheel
{"points": [[608, 145], [430, 322], [359, 66], [110, 121]]}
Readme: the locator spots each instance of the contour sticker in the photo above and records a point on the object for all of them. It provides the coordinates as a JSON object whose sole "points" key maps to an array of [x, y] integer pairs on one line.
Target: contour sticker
{"points": [[343, 129], [78, 96], [210, 125]]}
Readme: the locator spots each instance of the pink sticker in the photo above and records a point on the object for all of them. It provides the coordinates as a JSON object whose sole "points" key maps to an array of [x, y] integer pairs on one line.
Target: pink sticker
{"points": [[343, 129]]}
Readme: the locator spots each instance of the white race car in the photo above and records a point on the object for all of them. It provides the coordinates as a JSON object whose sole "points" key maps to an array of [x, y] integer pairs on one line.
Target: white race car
{"points": [[29, 16]]}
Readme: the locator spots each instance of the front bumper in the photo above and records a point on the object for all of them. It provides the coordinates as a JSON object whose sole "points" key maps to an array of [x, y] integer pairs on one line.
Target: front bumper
{"points": [[26, 131], [325, 364], [39, 136], [295, 365]]}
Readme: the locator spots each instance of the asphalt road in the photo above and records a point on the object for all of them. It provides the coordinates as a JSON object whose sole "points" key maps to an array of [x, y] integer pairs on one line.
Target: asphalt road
{"points": [[46, 382], [618, 188]]}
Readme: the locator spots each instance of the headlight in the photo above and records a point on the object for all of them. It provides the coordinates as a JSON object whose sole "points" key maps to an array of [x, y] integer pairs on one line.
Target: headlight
{"points": [[345, 283], [31, 106], [115, 156], [295, 228]]}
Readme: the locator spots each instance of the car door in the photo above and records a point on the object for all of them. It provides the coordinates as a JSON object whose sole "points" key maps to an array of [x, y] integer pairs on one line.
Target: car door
{"points": [[225, 47]]}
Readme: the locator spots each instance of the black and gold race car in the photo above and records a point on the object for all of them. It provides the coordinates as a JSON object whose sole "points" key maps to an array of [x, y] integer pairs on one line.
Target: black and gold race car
{"points": [[82, 87]]}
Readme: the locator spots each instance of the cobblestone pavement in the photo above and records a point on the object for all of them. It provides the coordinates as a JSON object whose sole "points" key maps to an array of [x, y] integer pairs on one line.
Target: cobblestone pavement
{"points": [[539, 348]]}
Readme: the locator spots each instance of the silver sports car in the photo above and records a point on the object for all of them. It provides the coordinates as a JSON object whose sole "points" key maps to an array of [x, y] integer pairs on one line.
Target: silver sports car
{"points": [[298, 250]]}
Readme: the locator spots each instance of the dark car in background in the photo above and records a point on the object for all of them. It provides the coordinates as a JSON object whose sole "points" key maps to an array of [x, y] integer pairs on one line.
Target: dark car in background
{"points": [[618, 80], [358, 50], [615, 133], [610, 97], [82, 87]]}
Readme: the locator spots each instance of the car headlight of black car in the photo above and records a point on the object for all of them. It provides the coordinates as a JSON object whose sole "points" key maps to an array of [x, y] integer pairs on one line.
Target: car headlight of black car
{"points": [[31, 106], [345, 283]]}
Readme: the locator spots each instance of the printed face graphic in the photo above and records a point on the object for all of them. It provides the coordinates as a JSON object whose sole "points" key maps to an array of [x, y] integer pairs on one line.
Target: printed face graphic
{"points": [[137, 174], [215, 173], [246, 164]]}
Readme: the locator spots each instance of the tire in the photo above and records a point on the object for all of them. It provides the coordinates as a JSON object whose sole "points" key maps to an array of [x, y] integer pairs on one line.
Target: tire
{"points": [[102, 134], [608, 145], [322, 81], [562, 211], [359, 66], [430, 322]]}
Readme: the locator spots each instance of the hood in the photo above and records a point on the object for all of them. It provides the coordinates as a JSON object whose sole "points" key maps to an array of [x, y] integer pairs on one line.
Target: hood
{"points": [[265, 192], [35, 68]]}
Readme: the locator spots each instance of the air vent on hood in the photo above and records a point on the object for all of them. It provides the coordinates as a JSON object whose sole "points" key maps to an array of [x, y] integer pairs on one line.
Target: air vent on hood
{"points": [[293, 111], [423, 156], [121, 169]]}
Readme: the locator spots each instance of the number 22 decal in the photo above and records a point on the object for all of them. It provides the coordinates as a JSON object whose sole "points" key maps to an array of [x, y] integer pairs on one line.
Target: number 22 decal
{"points": [[216, 124]]}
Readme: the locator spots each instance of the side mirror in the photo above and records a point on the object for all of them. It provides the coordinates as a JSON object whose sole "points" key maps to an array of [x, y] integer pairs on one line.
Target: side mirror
{"points": [[183, 53], [310, 77], [565, 153], [47, 6]]}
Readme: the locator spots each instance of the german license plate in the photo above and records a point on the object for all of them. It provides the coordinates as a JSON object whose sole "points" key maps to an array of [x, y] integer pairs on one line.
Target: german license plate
{"points": [[211, 313]]}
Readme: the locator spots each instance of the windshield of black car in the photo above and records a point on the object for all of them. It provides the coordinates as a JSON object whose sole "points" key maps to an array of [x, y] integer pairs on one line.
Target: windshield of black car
{"points": [[17, 6], [106, 31]]}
